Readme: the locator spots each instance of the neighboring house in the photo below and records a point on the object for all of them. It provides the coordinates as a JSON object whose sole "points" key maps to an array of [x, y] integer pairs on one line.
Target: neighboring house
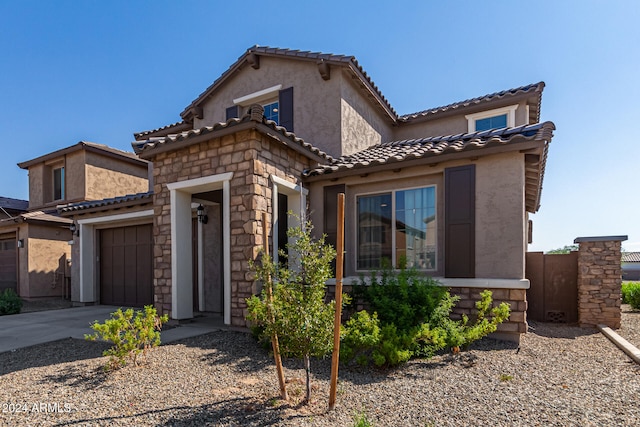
{"points": [[449, 188], [631, 266], [34, 238], [9, 208]]}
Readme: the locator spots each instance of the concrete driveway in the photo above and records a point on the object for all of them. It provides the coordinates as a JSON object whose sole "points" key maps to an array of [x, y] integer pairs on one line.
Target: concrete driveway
{"points": [[27, 329]]}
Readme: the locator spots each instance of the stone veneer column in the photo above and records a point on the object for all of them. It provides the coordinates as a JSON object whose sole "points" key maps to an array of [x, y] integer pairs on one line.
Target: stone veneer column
{"points": [[599, 280]]}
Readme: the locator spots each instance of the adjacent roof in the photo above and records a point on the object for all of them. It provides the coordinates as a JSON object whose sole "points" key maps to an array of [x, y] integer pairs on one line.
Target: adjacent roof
{"points": [[164, 130], [114, 202], [43, 217], [89, 146], [389, 154], [249, 58], [14, 204], [532, 90], [631, 257], [253, 119]]}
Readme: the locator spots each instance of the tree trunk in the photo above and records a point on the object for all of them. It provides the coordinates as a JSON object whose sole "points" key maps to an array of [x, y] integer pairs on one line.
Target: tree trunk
{"points": [[307, 368]]}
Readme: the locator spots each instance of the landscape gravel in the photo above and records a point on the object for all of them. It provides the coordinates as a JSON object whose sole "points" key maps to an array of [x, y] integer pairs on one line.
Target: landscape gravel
{"points": [[558, 375]]}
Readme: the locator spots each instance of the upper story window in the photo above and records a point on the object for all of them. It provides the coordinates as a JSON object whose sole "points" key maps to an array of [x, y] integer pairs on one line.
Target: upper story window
{"points": [[492, 119], [277, 103], [398, 226], [58, 183], [271, 111]]}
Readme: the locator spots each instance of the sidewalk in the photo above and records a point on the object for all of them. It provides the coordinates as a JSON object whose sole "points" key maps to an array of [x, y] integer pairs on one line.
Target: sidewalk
{"points": [[27, 329]]}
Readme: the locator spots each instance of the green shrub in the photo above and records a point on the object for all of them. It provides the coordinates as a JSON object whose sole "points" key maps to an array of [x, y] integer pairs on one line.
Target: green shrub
{"points": [[131, 332], [631, 294], [412, 318], [10, 302]]}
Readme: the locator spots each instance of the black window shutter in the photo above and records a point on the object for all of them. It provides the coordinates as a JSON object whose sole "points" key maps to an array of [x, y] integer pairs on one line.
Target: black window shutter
{"points": [[285, 107], [460, 221], [232, 112], [331, 216]]}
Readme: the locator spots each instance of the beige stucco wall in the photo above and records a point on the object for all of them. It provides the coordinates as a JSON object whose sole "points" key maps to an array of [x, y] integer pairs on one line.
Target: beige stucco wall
{"points": [[74, 175], [47, 251], [316, 101], [36, 186], [362, 125], [500, 216], [107, 177]]}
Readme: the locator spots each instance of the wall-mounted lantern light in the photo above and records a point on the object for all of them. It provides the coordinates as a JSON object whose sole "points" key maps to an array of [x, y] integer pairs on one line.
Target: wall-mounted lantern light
{"points": [[21, 243], [202, 218], [74, 229]]}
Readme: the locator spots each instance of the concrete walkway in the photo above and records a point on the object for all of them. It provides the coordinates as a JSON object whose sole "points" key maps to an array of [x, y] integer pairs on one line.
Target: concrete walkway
{"points": [[27, 329]]}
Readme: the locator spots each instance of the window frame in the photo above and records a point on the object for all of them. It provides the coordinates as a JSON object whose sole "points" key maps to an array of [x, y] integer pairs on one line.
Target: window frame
{"points": [[264, 97], [60, 168], [509, 110], [394, 257]]}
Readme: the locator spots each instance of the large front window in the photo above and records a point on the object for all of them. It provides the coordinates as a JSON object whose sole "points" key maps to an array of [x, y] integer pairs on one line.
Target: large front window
{"points": [[399, 226]]}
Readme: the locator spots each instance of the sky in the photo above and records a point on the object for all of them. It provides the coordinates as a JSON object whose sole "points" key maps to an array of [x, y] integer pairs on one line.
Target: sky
{"points": [[101, 70]]}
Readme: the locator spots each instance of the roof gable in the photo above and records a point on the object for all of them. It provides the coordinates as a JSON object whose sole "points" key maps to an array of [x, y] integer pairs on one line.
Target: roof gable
{"points": [[102, 149]]}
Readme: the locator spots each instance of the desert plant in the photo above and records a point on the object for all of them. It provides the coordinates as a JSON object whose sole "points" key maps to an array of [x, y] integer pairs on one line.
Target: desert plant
{"points": [[420, 325], [10, 302], [361, 420], [631, 294], [131, 332], [298, 314]]}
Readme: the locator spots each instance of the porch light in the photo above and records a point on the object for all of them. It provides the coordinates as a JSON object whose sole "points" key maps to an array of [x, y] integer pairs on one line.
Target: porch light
{"points": [[74, 229], [202, 218]]}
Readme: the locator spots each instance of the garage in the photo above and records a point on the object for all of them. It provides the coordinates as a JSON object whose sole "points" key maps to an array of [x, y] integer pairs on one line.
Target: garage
{"points": [[8, 265], [126, 269]]}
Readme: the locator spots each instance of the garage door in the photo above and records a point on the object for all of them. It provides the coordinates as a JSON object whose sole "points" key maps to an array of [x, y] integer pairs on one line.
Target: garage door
{"points": [[8, 265], [126, 271]]}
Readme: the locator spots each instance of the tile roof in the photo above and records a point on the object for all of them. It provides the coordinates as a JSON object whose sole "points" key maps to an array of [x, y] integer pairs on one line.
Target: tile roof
{"points": [[318, 57], [38, 216], [172, 128], [91, 146], [535, 88], [631, 257], [15, 204], [398, 151], [255, 116], [114, 201]]}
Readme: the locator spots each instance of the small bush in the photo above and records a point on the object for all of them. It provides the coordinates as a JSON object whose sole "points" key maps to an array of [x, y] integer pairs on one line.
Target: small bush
{"points": [[631, 294], [131, 332], [10, 302]]}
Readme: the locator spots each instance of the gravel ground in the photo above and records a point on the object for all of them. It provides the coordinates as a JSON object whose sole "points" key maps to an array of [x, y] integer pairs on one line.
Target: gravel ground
{"points": [[560, 375]]}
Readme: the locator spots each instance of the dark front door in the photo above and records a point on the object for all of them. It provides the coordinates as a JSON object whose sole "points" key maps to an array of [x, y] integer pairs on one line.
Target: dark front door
{"points": [[126, 267]]}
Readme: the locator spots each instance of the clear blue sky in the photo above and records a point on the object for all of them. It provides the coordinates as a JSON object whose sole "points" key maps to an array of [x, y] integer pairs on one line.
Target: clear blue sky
{"points": [[101, 70]]}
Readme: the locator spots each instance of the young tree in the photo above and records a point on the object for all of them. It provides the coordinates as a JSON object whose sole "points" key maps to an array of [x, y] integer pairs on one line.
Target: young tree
{"points": [[298, 314]]}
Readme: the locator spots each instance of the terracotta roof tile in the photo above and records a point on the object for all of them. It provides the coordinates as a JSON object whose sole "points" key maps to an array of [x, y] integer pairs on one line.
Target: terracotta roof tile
{"points": [[142, 146], [535, 88], [631, 257], [398, 151], [75, 207], [177, 126]]}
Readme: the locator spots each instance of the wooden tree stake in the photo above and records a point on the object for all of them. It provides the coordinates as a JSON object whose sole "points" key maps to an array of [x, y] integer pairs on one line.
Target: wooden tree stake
{"points": [[274, 337], [335, 359]]}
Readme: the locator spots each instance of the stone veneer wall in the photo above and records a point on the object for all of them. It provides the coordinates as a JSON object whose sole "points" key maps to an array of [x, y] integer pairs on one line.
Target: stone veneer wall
{"points": [[253, 158], [599, 280]]}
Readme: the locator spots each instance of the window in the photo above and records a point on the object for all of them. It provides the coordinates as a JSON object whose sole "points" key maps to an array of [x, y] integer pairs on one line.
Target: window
{"points": [[58, 183], [271, 111], [492, 119], [397, 226]]}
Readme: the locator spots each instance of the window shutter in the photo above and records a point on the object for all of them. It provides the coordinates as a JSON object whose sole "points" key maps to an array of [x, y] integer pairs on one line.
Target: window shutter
{"points": [[331, 216], [460, 221], [285, 105], [232, 112]]}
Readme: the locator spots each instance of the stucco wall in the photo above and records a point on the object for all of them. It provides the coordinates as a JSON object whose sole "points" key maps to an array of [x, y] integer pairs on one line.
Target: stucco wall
{"points": [[74, 175], [316, 102], [36, 186], [103, 183], [500, 216], [362, 125], [47, 252]]}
